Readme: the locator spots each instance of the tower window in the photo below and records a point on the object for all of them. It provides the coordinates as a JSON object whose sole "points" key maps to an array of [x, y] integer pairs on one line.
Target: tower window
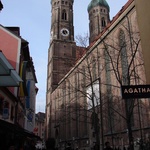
{"points": [[103, 22], [64, 15]]}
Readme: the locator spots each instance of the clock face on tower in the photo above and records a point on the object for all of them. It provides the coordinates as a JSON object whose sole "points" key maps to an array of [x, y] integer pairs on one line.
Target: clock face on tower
{"points": [[64, 32]]}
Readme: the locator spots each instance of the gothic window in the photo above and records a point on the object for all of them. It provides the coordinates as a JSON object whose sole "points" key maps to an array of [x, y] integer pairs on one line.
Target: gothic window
{"points": [[109, 90], [124, 65], [64, 15], [103, 22], [123, 53], [94, 68]]}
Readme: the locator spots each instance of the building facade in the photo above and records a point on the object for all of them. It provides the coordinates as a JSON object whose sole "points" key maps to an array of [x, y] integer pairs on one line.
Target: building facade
{"points": [[17, 101], [39, 128], [142, 10], [87, 109]]}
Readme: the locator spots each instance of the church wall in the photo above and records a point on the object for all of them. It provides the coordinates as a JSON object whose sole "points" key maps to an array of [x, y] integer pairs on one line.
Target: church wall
{"points": [[69, 101]]}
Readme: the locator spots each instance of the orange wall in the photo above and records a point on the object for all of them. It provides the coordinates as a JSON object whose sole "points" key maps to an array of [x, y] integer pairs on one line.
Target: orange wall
{"points": [[10, 46]]}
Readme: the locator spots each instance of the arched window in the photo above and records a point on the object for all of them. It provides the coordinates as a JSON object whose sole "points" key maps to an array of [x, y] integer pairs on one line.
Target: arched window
{"points": [[64, 15], [94, 67], [124, 59], [125, 66], [103, 22]]}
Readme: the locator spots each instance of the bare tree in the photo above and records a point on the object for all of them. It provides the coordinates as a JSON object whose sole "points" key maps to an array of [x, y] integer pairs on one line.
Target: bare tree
{"points": [[82, 40], [124, 59]]}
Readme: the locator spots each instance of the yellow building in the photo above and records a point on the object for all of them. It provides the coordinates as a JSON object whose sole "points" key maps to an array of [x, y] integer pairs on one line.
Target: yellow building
{"points": [[143, 16]]}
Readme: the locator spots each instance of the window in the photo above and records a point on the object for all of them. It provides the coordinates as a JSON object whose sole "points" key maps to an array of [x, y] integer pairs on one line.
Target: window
{"points": [[93, 95], [124, 59], [103, 22], [94, 68], [12, 113], [124, 65], [64, 15]]}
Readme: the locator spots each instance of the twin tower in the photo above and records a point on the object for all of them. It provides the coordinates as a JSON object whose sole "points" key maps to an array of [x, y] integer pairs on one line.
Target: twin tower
{"points": [[62, 49]]}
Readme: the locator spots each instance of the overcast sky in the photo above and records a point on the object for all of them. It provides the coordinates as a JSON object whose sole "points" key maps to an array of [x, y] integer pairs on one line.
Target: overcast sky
{"points": [[34, 19]]}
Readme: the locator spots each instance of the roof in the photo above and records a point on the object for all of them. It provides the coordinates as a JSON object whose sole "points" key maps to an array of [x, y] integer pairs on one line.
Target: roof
{"points": [[40, 117], [80, 51], [94, 3]]}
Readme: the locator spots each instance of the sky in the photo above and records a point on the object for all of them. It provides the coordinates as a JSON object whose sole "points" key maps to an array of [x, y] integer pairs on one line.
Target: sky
{"points": [[34, 19]]}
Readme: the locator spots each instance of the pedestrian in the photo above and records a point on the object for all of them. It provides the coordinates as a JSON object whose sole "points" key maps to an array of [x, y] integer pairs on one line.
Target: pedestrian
{"points": [[32, 145], [107, 146], [11, 148], [50, 144], [12, 145]]}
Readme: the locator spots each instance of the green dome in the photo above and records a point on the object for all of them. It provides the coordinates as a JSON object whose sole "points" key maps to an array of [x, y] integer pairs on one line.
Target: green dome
{"points": [[94, 3]]}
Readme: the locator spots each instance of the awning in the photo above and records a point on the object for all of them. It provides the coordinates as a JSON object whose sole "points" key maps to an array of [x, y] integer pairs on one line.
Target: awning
{"points": [[17, 130], [8, 75]]}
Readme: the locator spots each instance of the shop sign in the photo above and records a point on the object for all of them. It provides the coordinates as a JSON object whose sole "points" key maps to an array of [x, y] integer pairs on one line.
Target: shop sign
{"points": [[135, 91], [35, 129], [30, 116]]}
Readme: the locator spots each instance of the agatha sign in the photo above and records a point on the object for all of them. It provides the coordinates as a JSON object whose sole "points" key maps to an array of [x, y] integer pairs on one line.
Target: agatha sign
{"points": [[136, 91]]}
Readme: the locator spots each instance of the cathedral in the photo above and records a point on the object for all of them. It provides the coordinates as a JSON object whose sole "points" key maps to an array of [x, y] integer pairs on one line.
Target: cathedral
{"points": [[84, 103]]}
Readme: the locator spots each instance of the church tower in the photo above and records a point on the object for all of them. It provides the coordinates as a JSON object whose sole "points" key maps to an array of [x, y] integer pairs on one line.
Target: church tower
{"points": [[98, 17], [62, 49]]}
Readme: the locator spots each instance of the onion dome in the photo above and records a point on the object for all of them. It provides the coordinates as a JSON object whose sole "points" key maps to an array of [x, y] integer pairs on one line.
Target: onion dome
{"points": [[94, 3]]}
